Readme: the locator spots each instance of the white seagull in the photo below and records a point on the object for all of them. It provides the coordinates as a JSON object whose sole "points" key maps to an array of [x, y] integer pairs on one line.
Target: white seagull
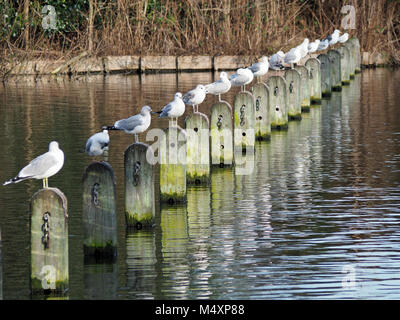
{"points": [[195, 97], [344, 37], [135, 124], [313, 46], [42, 167], [98, 143], [303, 47], [293, 56], [174, 109], [324, 44], [221, 86], [242, 77], [276, 61], [334, 37], [260, 68]]}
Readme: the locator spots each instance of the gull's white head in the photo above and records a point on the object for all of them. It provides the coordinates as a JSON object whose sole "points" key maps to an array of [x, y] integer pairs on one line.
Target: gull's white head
{"points": [[178, 95], [201, 87], [223, 75], [53, 146], [104, 129], [145, 110]]}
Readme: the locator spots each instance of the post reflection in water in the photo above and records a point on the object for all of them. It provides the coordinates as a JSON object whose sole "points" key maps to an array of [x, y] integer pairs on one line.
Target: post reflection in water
{"points": [[100, 280]]}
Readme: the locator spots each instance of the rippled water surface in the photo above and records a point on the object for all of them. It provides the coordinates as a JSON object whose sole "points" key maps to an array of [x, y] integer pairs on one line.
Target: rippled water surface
{"points": [[317, 218]]}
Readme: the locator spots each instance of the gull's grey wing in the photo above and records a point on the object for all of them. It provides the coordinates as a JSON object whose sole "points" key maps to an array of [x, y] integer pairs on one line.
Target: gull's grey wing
{"points": [[255, 67], [216, 87], [188, 96], [290, 56], [166, 110], [129, 123], [38, 166]]}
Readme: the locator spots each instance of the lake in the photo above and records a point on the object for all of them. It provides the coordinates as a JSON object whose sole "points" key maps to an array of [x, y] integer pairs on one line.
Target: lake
{"points": [[318, 217]]}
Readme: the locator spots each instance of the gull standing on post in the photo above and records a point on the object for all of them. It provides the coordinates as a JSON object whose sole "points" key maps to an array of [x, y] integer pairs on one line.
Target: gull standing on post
{"points": [[195, 97], [98, 143], [344, 37], [174, 109], [333, 38], [293, 56], [260, 68], [276, 61], [324, 44], [313, 46], [303, 47], [221, 86], [42, 167], [135, 124], [242, 77]]}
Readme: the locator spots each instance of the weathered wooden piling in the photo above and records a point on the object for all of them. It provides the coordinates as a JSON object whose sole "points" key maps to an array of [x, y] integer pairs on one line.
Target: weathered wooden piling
{"points": [[262, 123], [356, 53], [293, 88], [326, 87], [351, 62], [243, 122], [139, 186], [197, 149], [173, 166], [335, 70], [314, 68], [304, 88], [99, 211], [277, 103], [49, 242], [221, 134], [344, 65]]}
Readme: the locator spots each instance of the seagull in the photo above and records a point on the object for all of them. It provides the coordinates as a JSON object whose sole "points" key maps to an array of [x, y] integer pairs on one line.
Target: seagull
{"points": [[343, 38], [195, 97], [313, 46], [221, 86], [98, 143], [174, 109], [333, 38], [324, 44], [276, 61], [293, 56], [260, 68], [135, 124], [42, 167], [303, 47], [242, 77]]}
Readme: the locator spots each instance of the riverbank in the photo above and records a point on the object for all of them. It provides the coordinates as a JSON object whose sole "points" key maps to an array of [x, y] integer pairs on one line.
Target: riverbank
{"points": [[83, 64]]}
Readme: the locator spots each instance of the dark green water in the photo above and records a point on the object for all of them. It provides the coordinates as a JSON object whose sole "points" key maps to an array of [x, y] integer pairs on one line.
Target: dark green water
{"points": [[321, 206]]}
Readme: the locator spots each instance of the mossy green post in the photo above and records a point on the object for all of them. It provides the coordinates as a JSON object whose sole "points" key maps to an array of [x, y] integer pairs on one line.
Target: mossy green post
{"points": [[99, 211], [244, 117], [344, 65], [278, 103], [314, 68], [139, 186], [357, 54], [173, 166], [305, 88], [326, 87], [262, 124], [336, 74], [49, 242], [197, 149], [293, 88], [221, 134], [352, 62]]}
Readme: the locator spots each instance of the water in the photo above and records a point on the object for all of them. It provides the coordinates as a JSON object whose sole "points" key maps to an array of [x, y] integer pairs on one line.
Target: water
{"points": [[317, 218]]}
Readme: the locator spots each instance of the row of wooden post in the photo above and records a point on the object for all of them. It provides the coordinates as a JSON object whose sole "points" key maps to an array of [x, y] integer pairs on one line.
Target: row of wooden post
{"points": [[220, 141]]}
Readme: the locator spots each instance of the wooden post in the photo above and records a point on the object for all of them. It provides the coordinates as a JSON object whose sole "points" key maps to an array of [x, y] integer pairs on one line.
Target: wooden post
{"points": [[314, 68], [244, 122], [336, 76], [344, 65], [197, 149], [221, 134], [326, 88], [278, 103], [49, 242], [352, 62], [262, 124], [305, 88], [293, 88], [357, 54], [99, 211], [139, 186], [173, 166]]}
